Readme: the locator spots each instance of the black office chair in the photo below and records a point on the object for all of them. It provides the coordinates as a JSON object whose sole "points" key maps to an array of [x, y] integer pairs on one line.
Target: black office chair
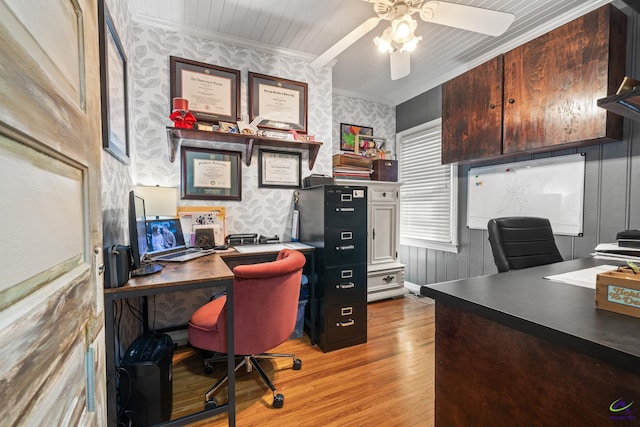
{"points": [[520, 242]]}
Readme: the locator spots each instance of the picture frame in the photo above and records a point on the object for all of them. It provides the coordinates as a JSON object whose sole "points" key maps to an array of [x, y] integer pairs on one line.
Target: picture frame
{"points": [[113, 88], [228, 127], [280, 103], [279, 169], [348, 134], [213, 92], [364, 143], [210, 174]]}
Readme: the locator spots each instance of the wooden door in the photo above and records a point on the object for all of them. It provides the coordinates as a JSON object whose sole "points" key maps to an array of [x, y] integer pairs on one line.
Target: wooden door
{"points": [[552, 84], [51, 310], [472, 114]]}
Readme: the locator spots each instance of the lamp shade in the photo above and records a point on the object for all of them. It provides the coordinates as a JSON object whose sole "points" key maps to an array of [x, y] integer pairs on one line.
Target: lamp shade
{"points": [[159, 201]]}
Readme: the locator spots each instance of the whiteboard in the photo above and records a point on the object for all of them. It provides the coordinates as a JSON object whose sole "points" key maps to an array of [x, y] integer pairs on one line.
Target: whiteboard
{"points": [[551, 187]]}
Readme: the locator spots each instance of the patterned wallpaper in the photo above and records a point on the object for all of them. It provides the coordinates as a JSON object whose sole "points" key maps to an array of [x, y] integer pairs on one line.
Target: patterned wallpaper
{"points": [[263, 211], [357, 111]]}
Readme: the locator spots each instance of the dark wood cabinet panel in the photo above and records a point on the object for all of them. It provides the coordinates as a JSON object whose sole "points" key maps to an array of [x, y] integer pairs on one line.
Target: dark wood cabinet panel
{"points": [[552, 84], [472, 113], [544, 93]]}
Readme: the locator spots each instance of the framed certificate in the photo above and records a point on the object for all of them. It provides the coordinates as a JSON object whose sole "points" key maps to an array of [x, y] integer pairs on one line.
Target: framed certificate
{"points": [[279, 169], [281, 103], [210, 174], [213, 92]]}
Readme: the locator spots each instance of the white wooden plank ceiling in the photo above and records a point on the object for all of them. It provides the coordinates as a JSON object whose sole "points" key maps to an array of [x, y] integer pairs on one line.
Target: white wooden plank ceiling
{"points": [[306, 28]]}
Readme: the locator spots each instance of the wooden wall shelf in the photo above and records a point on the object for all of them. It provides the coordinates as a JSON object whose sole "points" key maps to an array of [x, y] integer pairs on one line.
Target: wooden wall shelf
{"points": [[626, 104], [176, 135]]}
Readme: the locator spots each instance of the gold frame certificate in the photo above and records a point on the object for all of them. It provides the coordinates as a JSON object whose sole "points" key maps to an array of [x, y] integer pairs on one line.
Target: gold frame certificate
{"points": [[279, 169], [213, 92], [281, 103]]}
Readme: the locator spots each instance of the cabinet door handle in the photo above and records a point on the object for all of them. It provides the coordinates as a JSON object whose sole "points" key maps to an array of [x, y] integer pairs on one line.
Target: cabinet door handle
{"points": [[345, 248], [388, 279], [511, 100], [349, 322], [345, 285], [492, 106]]}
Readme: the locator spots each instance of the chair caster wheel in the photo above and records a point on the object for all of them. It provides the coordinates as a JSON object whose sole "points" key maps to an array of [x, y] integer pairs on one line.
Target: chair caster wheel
{"points": [[208, 369], [211, 404], [278, 401], [297, 364]]}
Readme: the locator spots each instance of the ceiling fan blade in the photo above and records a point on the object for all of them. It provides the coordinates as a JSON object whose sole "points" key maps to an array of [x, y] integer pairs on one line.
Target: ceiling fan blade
{"points": [[485, 21], [400, 64], [345, 42]]}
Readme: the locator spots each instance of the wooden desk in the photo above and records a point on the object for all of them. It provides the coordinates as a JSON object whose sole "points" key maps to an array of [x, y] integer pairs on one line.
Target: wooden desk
{"points": [[517, 349], [204, 272]]}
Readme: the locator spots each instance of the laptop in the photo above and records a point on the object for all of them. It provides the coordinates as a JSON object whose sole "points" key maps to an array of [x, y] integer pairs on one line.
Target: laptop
{"points": [[166, 242]]}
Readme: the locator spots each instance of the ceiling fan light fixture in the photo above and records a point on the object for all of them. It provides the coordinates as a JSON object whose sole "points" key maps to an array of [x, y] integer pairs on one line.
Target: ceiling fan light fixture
{"points": [[402, 29], [410, 45], [384, 42]]}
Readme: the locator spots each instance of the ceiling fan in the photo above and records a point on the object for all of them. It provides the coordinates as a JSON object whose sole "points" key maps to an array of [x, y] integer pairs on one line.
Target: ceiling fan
{"points": [[399, 38]]}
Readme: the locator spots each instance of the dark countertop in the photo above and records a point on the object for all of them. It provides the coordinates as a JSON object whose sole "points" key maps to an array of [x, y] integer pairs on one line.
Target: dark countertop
{"points": [[557, 312]]}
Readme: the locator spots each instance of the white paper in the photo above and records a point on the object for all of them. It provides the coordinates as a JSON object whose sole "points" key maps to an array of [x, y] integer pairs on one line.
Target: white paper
{"points": [[585, 277], [211, 173], [207, 93], [279, 104]]}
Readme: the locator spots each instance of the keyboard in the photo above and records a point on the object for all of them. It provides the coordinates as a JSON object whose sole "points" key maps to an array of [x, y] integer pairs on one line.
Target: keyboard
{"points": [[175, 254]]}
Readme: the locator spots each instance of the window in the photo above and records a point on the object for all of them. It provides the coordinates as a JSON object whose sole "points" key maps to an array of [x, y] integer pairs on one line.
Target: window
{"points": [[428, 208]]}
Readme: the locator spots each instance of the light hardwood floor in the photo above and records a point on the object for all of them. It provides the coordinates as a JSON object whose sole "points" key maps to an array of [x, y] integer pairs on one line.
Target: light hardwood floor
{"points": [[389, 381]]}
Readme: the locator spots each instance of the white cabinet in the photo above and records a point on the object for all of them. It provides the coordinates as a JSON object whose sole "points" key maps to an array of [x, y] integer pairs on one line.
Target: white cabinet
{"points": [[385, 275]]}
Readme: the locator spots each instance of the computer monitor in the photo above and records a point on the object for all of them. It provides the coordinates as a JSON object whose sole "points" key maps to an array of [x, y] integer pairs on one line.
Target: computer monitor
{"points": [[138, 237]]}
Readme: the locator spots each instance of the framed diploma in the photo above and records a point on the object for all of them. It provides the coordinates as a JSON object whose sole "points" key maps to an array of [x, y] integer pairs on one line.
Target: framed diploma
{"points": [[281, 103], [213, 92], [113, 86], [279, 169], [210, 174]]}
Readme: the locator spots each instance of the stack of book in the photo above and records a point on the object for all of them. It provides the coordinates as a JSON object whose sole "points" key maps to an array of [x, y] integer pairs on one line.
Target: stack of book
{"points": [[351, 166]]}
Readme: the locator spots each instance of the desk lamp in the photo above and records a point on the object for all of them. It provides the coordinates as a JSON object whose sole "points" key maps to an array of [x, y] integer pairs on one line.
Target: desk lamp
{"points": [[159, 201]]}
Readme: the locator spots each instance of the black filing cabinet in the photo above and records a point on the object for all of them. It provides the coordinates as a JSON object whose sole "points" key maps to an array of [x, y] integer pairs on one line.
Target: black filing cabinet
{"points": [[333, 218]]}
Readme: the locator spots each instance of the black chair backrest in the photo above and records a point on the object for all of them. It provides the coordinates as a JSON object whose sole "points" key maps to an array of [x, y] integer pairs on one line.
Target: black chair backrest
{"points": [[521, 242]]}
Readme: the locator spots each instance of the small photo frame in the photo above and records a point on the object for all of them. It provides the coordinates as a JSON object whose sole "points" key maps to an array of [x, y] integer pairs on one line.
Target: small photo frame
{"points": [[204, 236], [213, 92], [279, 169], [228, 127], [365, 143], [280, 103], [210, 174], [348, 135]]}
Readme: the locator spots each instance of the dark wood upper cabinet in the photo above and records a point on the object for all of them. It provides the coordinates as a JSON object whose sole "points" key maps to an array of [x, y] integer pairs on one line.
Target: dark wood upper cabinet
{"points": [[472, 113], [544, 93]]}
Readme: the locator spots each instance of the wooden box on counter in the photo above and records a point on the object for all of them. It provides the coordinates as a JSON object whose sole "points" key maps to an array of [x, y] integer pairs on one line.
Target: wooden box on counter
{"points": [[385, 170], [619, 291], [351, 160]]}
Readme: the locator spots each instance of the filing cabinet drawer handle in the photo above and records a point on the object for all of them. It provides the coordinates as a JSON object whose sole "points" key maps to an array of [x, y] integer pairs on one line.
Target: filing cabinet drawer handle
{"points": [[346, 311], [346, 274], [350, 322], [349, 285], [345, 248], [346, 235], [345, 209]]}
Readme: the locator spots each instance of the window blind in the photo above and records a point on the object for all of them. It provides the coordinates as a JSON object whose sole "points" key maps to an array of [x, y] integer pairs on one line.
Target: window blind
{"points": [[427, 205]]}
